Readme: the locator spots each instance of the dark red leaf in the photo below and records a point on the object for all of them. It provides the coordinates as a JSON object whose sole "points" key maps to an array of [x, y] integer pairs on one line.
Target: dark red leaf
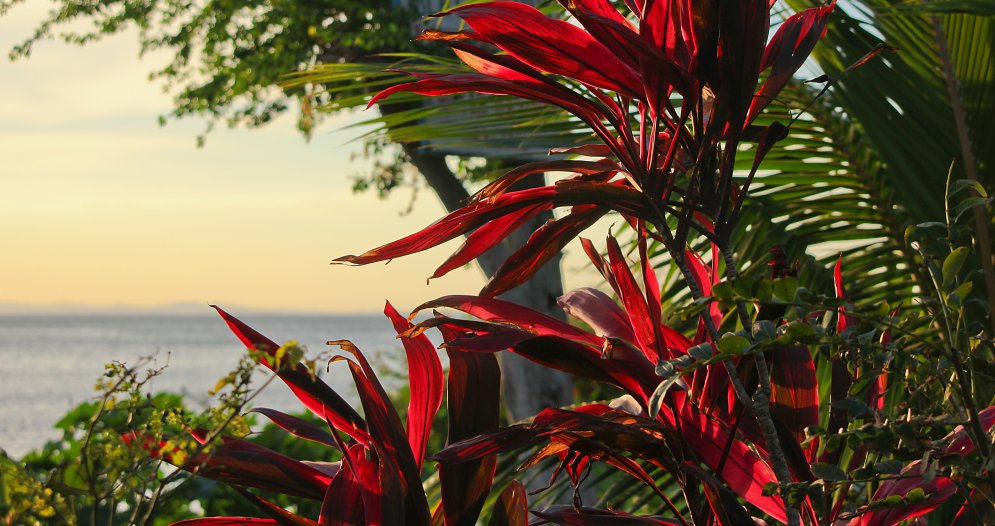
{"points": [[425, 379], [454, 224], [243, 463], [787, 51], [550, 45], [387, 434], [743, 29], [570, 516], [485, 237], [634, 303], [724, 504], [485, 444], [543, 245], [316, 395], [474, 409], [280, 515], [227, 521], [795, 390], [598, 311], [343, 502], [937, 492], [512, 507], [297, 426]]}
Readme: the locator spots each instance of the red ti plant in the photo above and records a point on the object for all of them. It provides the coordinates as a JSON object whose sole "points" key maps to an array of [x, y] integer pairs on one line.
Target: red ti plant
{"points": [[378, 481], [671, 89]]}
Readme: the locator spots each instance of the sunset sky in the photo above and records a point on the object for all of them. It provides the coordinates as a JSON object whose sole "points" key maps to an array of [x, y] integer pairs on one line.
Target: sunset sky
{"points": [[99, 205]]}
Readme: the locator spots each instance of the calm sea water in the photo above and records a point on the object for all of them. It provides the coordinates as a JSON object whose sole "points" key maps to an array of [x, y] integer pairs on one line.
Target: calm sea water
{"points": [[49, 363]]}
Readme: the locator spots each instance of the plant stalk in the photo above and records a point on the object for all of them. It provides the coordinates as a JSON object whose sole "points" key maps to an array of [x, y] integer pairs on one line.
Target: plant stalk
{"points": [[759, 404], [970, 162]]}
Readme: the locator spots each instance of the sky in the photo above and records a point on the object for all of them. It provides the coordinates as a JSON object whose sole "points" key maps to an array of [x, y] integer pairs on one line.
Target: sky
{"points": [[102, 207]]}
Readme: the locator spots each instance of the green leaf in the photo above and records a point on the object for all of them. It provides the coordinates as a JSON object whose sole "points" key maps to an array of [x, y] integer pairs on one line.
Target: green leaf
{"points": [[764, 330], [733, 344], [968, 204], [888, 467], [743, 287], [701, 352], [952, 265], [722, 290], [762, 290], [828, 472], [784, 288], [656, 399], [915, 496], [967, 183]]}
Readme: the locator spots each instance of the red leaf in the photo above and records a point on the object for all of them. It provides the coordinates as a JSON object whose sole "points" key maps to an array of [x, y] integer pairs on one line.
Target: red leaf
{"points": [[937, 491], [604, 23], [280, 515], [787, 51], [512, 507], [485, 237], [454, 224], [599, 311], [343, 502], [425, 385], [704, 277], [570, 516], [474, 409], [387, 434], [543, 245], [227, 521], [959, 441], [841, 377], [647, 333], [500, 311], [243, 463], [744, 471], [316, 395], [503, 183], [844, 319], [297, 426], [434, 85], [550, 45], [667, 25], [795, 390], [550, 342]]}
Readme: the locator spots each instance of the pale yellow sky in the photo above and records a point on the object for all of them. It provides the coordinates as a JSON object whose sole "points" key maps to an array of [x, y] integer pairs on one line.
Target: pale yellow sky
{"points": [[99, 206]]}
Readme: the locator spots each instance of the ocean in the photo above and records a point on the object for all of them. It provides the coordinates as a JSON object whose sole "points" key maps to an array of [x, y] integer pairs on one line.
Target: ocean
{"points": [[49, 363]]}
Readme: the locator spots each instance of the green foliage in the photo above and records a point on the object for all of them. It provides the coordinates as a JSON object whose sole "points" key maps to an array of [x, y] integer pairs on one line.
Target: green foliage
{"points": [[92, 474]]}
